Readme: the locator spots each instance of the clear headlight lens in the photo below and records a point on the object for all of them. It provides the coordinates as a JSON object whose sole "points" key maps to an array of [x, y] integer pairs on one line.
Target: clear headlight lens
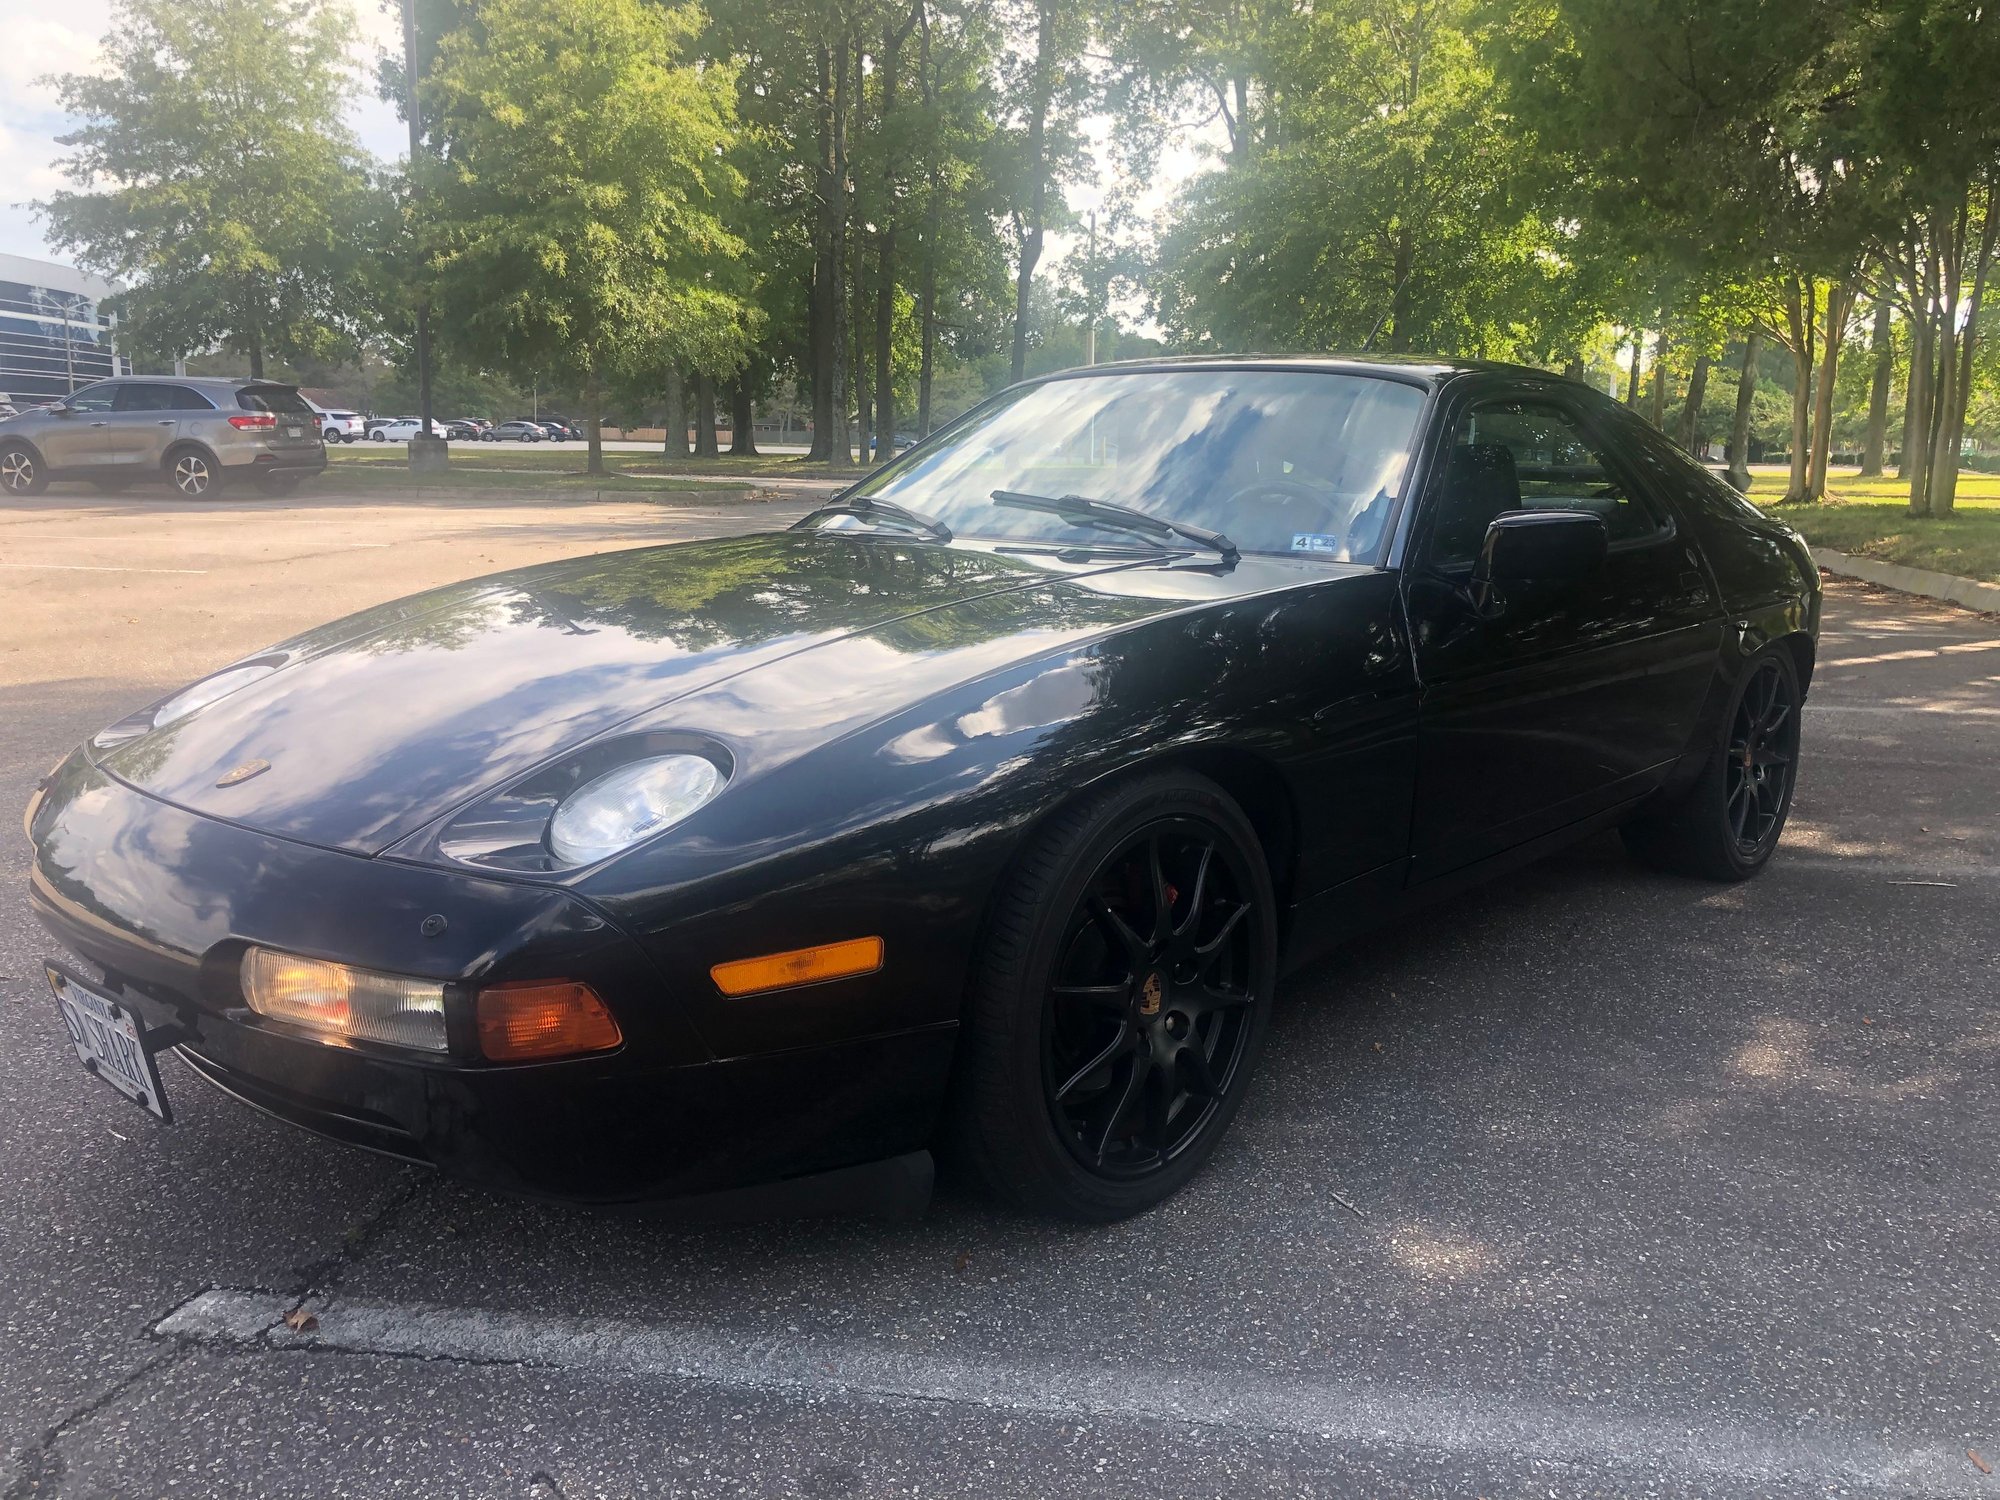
{"points": [[633, 802], [221, 685], [343, 1002]]}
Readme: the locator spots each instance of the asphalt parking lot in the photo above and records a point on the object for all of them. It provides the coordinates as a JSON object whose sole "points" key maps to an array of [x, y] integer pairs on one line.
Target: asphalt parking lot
{"points": [[1598, 1182]]}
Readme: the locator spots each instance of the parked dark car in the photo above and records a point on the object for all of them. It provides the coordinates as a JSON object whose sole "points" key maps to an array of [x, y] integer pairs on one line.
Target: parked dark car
{"points": [[515, 432], [464, 431], [988, 803]]}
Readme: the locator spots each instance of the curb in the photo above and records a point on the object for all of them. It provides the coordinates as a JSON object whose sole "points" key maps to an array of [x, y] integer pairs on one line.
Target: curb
{"points": [[1948, 588]]}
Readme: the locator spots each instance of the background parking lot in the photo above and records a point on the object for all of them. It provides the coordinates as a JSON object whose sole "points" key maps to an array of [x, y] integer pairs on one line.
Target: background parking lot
{"points": [[1598, 1182]]}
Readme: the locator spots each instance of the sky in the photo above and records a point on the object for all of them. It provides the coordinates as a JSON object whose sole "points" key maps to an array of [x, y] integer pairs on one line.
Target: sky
{"points": [[42, 37]]}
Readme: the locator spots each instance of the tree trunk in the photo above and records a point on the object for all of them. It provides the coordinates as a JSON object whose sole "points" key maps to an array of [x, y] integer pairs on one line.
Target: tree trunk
{"points": [[1038, 178], [1951, 434], [823, 292], [933, 226], [1573, 368], [675, 448], [1737, 451], [1697, 392], [1799, 311], [863, 378], [1658, 415], [1632, 381], [885, 263], [1874, 446], [742, 418], [704, 417], [1915, 466], [593, 421], [1839, 303], [840, 452], [1400, 297]]}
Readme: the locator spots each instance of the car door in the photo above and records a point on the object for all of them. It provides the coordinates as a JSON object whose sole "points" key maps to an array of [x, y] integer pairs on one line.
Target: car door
{"points": [[79, 438], [1546, 703], [147, 418]]}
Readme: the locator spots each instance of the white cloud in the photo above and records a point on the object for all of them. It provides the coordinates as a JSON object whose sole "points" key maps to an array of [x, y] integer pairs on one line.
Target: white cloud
{"points": [[37, 45]]}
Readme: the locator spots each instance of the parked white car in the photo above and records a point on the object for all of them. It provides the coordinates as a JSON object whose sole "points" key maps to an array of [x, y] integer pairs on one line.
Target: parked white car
{"points": [[399, 429], [340, 426]]}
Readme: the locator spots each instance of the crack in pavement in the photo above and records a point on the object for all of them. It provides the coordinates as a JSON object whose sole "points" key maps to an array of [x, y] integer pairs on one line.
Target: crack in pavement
{"points": [[40, 1464]]}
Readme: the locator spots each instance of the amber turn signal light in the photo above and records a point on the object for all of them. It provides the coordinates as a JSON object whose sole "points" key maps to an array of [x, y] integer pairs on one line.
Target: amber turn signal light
{"points": [[780, 971], [540, 1019]]}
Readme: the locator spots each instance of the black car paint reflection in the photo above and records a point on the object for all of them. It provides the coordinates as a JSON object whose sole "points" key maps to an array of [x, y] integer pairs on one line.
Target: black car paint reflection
{"points": [[898, 716]]}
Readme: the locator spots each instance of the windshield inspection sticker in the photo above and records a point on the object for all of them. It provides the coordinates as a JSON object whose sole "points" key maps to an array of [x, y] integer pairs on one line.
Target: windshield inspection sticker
{"points": [[1317, 541]]}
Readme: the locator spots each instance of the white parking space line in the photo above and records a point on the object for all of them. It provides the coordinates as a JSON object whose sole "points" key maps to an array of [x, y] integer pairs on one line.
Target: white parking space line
{"points": [[88, 568], [1306, 1406], [1914, 710]]}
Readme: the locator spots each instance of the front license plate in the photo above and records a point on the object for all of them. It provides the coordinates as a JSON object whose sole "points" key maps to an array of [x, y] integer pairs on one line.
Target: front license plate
{"points": [[110, 1041]]}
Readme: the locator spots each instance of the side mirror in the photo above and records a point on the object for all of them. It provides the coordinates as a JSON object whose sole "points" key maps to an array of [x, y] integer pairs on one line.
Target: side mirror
{"points": [[1538, 546], [62, 409]]}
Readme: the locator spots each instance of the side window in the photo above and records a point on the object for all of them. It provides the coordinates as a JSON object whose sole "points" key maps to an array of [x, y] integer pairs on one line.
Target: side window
{"points": [[1527, 455], [145, 398], [151, 397], [93, 397]]}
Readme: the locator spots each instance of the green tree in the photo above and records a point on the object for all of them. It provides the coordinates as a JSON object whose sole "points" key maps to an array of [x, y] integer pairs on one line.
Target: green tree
{"points": [[1382, 207], [575, 213], [215, 179]]}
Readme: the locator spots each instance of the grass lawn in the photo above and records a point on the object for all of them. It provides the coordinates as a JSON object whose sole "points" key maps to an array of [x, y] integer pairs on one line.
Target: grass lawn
{"points": [[1871, 518], [505, 465], [387, 467]]}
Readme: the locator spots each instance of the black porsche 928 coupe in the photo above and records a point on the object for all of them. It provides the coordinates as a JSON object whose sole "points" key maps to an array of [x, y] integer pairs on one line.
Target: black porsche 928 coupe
{"points": [[985, 806]]}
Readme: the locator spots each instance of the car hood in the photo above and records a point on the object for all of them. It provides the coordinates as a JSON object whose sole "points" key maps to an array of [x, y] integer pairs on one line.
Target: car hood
{"points": [[380, 723]]}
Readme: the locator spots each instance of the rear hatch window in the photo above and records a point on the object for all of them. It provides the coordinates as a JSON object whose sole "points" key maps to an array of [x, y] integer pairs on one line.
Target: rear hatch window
{"points": [[272, 398]]}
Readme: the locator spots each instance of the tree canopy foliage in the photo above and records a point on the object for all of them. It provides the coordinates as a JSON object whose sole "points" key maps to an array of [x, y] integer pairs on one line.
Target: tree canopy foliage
{"points": [[1768, 224]]}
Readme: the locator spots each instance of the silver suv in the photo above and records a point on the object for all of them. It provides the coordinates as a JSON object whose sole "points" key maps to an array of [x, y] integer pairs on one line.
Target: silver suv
{"points": [[195, 434]]}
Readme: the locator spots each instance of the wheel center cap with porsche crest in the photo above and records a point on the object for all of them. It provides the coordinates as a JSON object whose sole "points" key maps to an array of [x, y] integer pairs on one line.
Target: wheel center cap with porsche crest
{"points": [[1152, 992], [238, 774]]}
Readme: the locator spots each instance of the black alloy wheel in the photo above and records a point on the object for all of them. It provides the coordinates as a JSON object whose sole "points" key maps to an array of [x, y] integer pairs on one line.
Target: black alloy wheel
{"points": [[1727, 824], [1763, 743], [1148, 1007], [1119, 1000]]}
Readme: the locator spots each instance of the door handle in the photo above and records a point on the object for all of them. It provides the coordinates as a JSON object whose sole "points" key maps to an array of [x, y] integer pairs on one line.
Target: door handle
{"points": [[165, 422], [100, 424]]}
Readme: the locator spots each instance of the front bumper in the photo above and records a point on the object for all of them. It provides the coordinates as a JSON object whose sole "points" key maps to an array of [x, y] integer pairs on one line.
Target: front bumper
{"points": [[158, 903]]}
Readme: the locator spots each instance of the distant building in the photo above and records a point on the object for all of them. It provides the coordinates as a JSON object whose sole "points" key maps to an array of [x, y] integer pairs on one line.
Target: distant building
{"points": [[54, 335]]}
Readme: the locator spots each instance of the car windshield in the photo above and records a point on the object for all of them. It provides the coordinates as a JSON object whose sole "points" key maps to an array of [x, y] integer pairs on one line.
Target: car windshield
{"points": [[1282, 461]]}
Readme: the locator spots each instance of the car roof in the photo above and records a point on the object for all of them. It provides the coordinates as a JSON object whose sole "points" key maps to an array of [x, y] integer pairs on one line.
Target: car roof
{"points": [[1422, 368], [199, 382]]}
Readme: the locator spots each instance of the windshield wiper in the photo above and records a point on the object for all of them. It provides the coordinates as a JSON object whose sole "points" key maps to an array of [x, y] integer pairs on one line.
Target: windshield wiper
{"points": [[1109, 513], [871, 509]]}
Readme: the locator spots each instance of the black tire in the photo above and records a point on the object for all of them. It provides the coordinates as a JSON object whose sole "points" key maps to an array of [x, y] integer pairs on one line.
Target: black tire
{"points": [[1096, 1077], [22, 472], [194, 474], [1727, 825]]}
